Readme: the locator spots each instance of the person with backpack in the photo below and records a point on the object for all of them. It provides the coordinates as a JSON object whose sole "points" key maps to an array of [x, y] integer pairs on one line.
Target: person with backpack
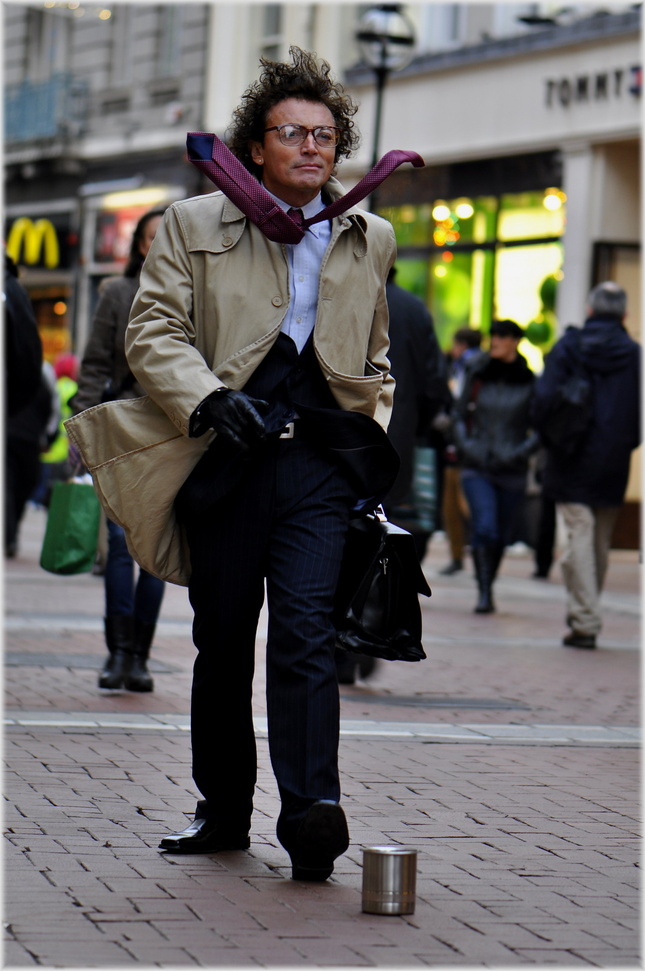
{"points": [[587, 410]]}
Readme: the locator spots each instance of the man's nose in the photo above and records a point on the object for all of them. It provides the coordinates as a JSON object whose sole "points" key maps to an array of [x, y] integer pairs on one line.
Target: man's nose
{"points": [[310, 144]]}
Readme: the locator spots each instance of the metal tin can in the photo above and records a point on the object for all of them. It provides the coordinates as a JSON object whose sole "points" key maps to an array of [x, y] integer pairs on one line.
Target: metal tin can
{"points": [[389, 879]]}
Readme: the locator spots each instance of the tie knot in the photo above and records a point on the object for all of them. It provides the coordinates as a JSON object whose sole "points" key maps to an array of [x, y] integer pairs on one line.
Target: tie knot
{"points": [[297, 216]]}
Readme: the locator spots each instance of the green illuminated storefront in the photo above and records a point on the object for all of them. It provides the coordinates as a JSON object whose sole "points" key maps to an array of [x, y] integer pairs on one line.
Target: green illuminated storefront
{"points": [[472, 257]]}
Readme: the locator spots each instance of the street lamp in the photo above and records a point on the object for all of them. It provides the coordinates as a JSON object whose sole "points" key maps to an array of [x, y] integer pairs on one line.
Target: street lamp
{"points": [[386, 41]]}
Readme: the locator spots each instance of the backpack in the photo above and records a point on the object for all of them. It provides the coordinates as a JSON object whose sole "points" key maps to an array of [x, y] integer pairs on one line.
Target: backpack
{"points": [[566, 422]]}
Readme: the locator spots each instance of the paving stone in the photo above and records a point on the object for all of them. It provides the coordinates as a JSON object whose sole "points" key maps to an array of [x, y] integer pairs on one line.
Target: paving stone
{"points": [[562, 958], [526, 851]]}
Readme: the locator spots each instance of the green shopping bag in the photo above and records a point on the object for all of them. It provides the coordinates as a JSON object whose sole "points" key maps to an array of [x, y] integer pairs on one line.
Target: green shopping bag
{"points": [[71, 534]]}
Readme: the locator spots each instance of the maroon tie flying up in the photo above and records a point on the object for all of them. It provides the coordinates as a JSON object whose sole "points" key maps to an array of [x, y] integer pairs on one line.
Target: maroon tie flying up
{"points": [[217, 162]]}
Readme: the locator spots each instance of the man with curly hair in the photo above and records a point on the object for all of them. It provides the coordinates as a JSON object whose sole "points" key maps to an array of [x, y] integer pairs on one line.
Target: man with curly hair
{"points": [[274, 358]]}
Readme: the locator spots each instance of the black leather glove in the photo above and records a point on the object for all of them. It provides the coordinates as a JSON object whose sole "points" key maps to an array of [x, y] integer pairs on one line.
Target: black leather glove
{"points": [[234, 415]]}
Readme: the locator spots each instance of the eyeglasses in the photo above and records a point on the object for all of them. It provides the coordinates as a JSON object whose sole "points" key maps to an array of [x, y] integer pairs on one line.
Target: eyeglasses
{"points": [[324, 135]]}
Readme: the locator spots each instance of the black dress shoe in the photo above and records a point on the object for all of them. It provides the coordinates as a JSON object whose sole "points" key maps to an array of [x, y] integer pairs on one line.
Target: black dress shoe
{"points": [[575, 639], [322, 836], [205, 836]]}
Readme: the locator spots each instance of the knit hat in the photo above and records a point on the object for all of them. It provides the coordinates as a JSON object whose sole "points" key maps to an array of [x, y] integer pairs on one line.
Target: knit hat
{"points": [[506, 328], [66, 366]]}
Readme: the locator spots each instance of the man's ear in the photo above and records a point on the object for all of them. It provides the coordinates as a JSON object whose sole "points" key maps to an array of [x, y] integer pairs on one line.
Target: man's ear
{"points": [[256, 151]]}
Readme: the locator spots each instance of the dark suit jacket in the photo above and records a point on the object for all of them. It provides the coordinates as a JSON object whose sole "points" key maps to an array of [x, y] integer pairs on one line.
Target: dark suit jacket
{"points": [[419, 370]]}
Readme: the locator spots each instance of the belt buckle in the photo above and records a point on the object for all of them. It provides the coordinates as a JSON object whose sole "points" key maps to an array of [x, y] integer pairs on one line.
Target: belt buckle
{"points": [[289, 430]]}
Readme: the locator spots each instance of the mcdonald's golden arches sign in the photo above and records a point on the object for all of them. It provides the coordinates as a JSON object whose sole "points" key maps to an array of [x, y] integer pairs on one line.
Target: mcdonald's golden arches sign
{"points": [[33, 242]]}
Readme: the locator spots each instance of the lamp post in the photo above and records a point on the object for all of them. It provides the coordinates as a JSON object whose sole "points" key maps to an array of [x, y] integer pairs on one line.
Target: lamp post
{"points": [[386, 41]]}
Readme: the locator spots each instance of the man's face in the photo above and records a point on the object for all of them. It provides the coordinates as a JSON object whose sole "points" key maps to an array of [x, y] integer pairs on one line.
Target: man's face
{"points": [[458, 349], [503, 348], [295, 174], [149, 233]]}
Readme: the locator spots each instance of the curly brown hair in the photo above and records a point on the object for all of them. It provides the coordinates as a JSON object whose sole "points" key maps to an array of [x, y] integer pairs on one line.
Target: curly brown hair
{"points": [[307, 79]]}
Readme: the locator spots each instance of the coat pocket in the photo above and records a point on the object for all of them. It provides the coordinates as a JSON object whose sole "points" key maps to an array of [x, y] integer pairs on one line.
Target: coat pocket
{"points": [[138, 462]]}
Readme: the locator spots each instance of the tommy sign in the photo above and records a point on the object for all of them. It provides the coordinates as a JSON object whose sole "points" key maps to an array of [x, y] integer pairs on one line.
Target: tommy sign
{"points": [[602, 86]]}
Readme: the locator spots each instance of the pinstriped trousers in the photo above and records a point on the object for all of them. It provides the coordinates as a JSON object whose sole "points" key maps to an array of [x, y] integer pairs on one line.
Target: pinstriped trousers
{"points": [[285, 523]]}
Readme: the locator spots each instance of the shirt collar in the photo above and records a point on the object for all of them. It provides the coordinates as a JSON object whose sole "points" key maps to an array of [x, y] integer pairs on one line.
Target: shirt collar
{"points": [[311, 209]]}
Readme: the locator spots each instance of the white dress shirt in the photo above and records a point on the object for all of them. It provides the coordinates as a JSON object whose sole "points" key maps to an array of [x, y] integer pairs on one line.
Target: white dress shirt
{"points": [[305, 259]]}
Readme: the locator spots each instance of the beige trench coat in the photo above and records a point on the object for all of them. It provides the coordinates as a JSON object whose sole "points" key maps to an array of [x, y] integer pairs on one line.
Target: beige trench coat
{"points": [[214, 292]]}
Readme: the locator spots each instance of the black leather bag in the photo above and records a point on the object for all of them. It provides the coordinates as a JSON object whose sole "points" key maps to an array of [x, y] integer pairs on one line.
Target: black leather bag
{"points": [[377, 610]]}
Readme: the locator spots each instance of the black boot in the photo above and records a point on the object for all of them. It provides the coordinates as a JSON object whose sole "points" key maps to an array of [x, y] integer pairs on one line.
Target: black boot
{"points": [[496, 556], [119, 639], [138, 677], [483, 560]]}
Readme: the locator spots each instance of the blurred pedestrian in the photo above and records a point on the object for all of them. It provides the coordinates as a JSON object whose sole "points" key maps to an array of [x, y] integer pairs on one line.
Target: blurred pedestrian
{"points": [[588, 485], [466, 343], [494, 443], [22, 346], [29, 432], [131, 606], [26, 403], [418, 368], [54, 465], [544, 532]]}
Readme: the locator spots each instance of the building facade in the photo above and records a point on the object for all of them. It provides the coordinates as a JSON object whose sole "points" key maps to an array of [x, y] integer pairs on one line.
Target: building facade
{"points": [[97, 102], [528, 116]]}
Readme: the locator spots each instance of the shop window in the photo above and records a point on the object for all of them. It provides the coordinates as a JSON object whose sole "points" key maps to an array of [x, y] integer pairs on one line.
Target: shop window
{"points": [[525, 281], [526, 216], [168, 40], [51, 307], [48, 43], [412, 224], [114, 230], [412, 275], [473, 259], [271, 39], [122, 46]]}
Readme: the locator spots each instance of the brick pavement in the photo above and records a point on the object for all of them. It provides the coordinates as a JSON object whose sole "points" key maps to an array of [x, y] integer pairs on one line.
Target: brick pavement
{"points": [[528, 850]]}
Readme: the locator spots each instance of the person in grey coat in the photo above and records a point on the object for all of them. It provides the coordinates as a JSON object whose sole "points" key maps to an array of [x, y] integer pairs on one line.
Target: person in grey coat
{"points": [[131, 607], [588, 486]]}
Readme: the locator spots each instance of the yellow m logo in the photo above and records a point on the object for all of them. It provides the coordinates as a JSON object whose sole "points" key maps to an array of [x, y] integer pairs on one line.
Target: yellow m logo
{"points": [[39, 238]]}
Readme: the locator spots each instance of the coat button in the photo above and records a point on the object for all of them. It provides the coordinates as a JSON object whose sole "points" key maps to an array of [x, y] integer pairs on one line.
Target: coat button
{"points": [[277, 301], [227, 240]]}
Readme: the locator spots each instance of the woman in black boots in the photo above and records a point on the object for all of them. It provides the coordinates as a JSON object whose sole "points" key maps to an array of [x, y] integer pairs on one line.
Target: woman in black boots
{"points": [[131, 608], [494, 443]]}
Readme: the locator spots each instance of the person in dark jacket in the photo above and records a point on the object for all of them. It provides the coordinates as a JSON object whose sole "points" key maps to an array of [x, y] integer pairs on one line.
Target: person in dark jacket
{"points": [[418, 366], [27, 403], [589, 486], [494, 441], [22, 346], [25, 440], [419, 369], [132, 604], [466, 344]]}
